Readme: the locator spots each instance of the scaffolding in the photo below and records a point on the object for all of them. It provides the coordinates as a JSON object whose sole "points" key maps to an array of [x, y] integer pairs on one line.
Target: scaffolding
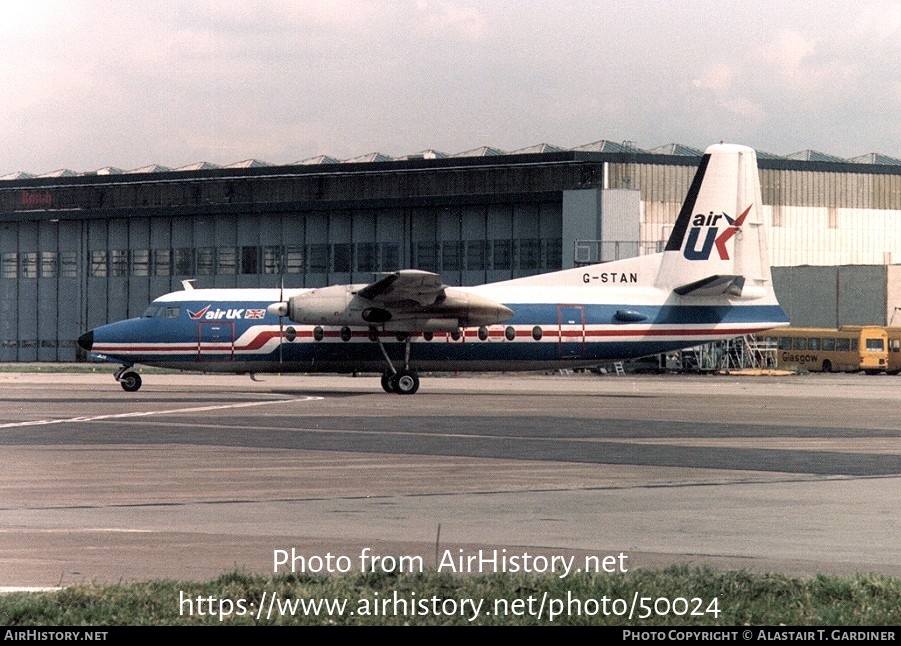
{"points": [[741, 353]]}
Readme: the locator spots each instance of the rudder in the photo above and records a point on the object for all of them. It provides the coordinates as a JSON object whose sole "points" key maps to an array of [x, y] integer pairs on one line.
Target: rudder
{"points": [[717, 245]]}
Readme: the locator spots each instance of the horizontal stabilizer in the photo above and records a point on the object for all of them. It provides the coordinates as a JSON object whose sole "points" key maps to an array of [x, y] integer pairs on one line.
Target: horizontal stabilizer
{"points": [[713, 286]]}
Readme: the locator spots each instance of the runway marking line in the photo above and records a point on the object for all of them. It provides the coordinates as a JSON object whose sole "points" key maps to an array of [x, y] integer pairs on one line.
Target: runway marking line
{"points": [[194, 409]]}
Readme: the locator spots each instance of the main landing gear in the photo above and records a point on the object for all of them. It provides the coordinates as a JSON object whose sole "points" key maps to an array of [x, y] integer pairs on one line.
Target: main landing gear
{"points": [[402, 382], [130, 380]]}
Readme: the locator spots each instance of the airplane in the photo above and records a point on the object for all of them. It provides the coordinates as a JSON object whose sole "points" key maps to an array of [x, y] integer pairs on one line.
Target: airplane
{"points": [[711, 282]]}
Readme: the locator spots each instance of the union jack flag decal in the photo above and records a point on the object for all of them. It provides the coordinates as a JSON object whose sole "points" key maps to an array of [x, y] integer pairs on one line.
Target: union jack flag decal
{"points": [[255, 314]]}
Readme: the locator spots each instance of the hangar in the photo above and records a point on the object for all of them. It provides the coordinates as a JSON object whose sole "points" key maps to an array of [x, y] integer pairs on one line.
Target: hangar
{"points": [[78, 250]]}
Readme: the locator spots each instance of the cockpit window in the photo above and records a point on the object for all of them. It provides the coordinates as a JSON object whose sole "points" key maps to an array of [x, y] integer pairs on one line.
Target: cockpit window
{"points": [[162, 312]]}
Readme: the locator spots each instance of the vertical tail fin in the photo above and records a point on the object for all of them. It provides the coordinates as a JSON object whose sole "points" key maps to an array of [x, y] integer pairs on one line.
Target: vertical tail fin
{"points": [[718, 245]]}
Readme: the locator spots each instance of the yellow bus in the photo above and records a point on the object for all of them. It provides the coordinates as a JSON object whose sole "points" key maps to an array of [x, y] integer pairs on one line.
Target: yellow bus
{"points": [[850, 348], [894, 350]]}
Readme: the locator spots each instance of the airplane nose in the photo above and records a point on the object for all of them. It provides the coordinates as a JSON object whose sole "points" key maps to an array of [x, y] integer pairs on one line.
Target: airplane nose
{"points": [[86, 341]]}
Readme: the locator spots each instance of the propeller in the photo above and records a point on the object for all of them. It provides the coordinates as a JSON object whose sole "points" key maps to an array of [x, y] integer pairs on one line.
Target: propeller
{"points": [[281, 319], [280, 309]]}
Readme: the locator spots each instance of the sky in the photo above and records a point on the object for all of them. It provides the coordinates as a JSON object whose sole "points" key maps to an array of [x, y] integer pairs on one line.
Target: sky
{"points": [[91, 84]]}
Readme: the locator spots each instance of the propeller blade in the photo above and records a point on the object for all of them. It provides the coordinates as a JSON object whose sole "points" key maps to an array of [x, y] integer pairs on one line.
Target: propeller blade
{"points": [[281, 319]]}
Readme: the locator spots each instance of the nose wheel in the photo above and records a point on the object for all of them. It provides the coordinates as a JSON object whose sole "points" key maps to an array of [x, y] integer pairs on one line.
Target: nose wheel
{"points": [[129, 379]]}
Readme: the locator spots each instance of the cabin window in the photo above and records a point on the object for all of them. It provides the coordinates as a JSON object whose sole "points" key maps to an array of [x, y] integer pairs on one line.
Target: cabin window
{"points": [[428, 336], [373, 334], [510, 333], [318, 334], [345, 333], [290, 333], [536, 333], [455, 335], [483, 333]]}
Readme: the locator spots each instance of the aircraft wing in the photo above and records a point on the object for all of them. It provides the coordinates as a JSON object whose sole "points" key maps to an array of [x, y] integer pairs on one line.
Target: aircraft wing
{"points": [[421, 287], [409, 300]]}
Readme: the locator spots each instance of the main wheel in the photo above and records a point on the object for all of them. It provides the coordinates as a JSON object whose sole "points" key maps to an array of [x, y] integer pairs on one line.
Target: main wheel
{"points": [[405, 382], [131, 381], [386, 381]]}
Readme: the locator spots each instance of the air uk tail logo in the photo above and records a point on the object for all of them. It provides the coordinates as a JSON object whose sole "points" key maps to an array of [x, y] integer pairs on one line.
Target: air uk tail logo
{"points": [[712, 222]]}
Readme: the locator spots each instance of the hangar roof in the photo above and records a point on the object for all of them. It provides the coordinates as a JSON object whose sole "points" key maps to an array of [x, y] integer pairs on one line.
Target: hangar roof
{"points": [[605, 146], [875, 158], [815, 156], [248, 163], [602, 145], [153, 168], [677, 149]]}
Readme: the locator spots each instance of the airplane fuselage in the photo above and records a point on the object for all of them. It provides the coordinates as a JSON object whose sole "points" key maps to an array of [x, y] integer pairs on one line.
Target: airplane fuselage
{"points": [[214, 331]]}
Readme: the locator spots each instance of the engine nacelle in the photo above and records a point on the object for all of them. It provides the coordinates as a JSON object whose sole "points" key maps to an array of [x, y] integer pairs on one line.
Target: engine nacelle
{"points": [[342, 305], [334, 305], [470, 310]]}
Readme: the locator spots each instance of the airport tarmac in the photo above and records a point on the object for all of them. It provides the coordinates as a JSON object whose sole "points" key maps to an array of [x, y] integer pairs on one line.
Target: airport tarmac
{"points": [[195, 476]]}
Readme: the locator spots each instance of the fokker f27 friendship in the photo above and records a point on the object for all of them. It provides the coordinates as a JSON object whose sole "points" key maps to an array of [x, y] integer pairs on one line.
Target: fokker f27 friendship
{"points": [[712, 281]]}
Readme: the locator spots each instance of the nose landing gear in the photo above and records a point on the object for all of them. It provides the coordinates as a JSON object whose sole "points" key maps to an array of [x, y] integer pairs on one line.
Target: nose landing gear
{"points": [[129, 379]]}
